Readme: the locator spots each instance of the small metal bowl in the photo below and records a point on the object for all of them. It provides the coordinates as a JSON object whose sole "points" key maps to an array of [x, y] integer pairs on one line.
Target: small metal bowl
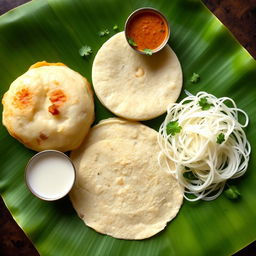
{"points": [[43, 156], [152, 10]]}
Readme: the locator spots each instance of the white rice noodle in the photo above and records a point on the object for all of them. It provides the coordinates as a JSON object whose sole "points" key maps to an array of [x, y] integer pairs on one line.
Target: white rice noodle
{"points": [[195, 146]]}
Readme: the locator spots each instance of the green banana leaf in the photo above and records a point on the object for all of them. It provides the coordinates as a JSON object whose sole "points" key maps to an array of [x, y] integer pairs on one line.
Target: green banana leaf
{"points": [[55, 30]]}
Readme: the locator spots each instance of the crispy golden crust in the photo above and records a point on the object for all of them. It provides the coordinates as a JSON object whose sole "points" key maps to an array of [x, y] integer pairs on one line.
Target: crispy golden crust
{"points": [[44, 63]]}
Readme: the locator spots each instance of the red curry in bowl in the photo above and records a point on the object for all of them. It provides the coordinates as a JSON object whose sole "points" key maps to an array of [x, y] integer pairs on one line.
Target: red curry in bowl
{"points": [[147, 30]]}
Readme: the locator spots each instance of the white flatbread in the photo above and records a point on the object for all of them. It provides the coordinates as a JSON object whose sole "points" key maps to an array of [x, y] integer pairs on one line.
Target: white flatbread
{"points": [[120, 190], [132, 85], [49, 107]]}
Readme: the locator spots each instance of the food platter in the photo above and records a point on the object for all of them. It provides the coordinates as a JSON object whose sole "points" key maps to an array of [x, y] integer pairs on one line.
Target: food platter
{"points": [[55, 31]]}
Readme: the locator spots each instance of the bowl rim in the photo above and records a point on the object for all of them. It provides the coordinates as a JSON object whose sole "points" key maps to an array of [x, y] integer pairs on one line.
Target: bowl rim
{"points": [[145, 9], [33, 158]]}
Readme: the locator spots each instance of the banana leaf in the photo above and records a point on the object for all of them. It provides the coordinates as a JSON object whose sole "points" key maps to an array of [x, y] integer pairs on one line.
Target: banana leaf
{"points": [[55, 30]]}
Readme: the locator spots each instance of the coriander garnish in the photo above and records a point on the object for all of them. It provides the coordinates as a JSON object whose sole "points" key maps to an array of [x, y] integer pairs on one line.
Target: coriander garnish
{"points": [[204, 104], [148, 52], [103, 32], [173, 128], [131, 42], [220, 138], [195, 78], [85, 50]]}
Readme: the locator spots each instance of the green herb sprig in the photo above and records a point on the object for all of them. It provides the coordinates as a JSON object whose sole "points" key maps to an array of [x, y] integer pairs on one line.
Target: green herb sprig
{"points": [[104, 32], [220, 138], [204, 104], [173, 128], [85, 50], [132, 42], [148, 52], [195, 78]]}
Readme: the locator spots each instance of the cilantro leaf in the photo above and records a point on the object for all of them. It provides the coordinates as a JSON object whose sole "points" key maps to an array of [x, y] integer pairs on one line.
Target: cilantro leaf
{"points": [[203, 103], [173, 128], [103, 32], [195, 78], [148, 52], [220, 138], [85, 50], [115, 27], [232, 193], [131, 42]]}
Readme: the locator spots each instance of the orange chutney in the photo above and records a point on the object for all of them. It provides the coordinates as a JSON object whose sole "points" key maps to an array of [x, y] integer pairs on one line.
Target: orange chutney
{"points": [[148, 30]]}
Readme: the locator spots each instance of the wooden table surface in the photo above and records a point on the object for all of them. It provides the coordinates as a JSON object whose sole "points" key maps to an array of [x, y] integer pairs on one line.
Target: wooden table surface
{"points": [[238, 15]]}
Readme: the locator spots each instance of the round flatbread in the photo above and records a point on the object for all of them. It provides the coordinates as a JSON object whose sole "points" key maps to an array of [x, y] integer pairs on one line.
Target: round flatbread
{"points": [[132, 85], [49, 107], [120, 190]]}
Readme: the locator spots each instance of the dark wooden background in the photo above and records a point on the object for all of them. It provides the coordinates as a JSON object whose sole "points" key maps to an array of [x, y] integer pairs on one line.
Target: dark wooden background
{"points": [[238, 15]]}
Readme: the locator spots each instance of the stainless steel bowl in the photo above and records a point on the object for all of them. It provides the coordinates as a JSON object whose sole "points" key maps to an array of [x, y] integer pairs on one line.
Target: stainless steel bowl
{"points": [[147, 9], [33, 160]]}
